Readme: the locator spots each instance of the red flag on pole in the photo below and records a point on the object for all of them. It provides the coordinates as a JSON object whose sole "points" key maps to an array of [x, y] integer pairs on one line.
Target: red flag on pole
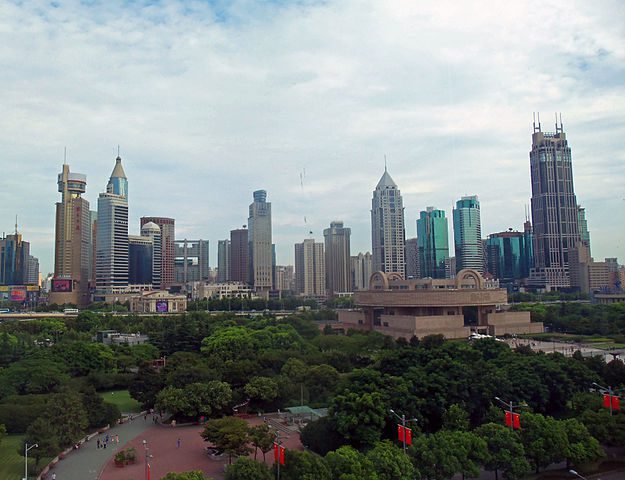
{"points": [[616, 403], [278, 453], [606, 400], [516, 421], [508, 419], [149, 471], [281, 455], [408, 433], [400, 433]]}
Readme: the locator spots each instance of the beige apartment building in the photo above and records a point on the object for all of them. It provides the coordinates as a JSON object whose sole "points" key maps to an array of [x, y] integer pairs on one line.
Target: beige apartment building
{"points": [[452, 307]]}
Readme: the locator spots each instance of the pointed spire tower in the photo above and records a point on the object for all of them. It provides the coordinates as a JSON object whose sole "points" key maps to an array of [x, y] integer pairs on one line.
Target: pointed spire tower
{"points": [[118, 183], [388, 235]]}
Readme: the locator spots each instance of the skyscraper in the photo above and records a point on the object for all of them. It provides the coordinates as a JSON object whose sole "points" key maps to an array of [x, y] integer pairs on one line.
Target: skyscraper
{"points": [[387, 227], [112, 234], [72, 243], [223, 261], [153, 231], [554, 207], [361, 269], [260, 250], [412, 258], [192, 263], [583, 226], [14, 255], [468, 234], [239, 255], [310, 278], [168, 238], [507, 258], [337, 252], [140, 260], [433, 242]]}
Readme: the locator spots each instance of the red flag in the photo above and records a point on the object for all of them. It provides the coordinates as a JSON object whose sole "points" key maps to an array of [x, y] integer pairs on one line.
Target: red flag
{"points": [[281, 455], [606, 400], [616, 403], [400, 433], [508, 419], [278, 453], [149, 471], [275, 451], [516, 421], [408, 433]]}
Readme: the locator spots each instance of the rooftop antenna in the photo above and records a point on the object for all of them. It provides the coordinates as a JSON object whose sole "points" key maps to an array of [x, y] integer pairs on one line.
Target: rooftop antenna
{"points": [[561, 127], [16, 225], [536, 116], [118, 151], [64, 155], [385, 162]]}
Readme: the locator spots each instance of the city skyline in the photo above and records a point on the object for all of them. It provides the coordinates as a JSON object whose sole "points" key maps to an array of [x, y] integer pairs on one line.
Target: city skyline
{"points": [[308, 117]]}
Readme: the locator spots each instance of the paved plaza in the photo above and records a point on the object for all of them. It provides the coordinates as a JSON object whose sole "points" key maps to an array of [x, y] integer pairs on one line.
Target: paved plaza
{"points": [[567, 349]]}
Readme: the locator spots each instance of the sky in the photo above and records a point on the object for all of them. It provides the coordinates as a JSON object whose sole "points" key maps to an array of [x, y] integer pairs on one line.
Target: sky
{"points": [[210, 101]]}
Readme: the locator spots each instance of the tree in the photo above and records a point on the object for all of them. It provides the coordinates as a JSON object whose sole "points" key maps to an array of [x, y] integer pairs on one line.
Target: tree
{"points": [[229, 435], [3, 432], [505, 451], [261, 389], [147, 384], [390, 462], [347, 463], [261, 438], [544, 440], [455, 418], [43, 433], [359, 418], [67, 415], [172, 400], [99, 412], [321, 436], [207, 398], [195, 475], [304, 466], [581, 446], [247, 469]]}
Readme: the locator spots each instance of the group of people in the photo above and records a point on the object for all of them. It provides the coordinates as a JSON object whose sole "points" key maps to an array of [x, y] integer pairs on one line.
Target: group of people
{"points": [[103, 442]]}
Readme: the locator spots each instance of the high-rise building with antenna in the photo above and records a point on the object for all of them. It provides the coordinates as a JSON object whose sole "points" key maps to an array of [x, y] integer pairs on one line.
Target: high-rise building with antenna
{"points": [[554, 207], [260, 245], [388, 234]]}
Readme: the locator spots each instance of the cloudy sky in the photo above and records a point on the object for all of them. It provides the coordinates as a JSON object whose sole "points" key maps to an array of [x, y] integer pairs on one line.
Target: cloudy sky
{"points": [[212, 100]]}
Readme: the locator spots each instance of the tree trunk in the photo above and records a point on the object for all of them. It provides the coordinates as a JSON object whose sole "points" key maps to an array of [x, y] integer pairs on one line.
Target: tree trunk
{"points": [[496, 474]]}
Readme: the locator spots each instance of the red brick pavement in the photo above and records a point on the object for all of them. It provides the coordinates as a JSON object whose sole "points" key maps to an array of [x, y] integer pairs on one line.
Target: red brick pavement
{"points": [[190, 456]]}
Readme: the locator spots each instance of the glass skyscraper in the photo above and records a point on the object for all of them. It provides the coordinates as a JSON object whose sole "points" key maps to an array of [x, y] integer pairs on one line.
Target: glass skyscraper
{"points": [[432, 242], [260, 246], [507, 256], [468, 234]]}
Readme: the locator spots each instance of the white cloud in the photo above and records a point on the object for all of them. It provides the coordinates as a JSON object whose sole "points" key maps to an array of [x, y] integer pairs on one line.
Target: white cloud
{"points": [[212, 101]]}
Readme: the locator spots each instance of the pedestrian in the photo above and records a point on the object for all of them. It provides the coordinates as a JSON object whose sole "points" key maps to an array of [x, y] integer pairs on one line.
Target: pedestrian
{"points": [[178, 442], [98, 443], [106, 439], [117, 439], [145, 417], [53, 475]]}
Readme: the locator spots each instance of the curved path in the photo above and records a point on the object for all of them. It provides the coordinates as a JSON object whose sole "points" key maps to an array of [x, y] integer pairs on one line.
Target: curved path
{"points": [[87, 462]]}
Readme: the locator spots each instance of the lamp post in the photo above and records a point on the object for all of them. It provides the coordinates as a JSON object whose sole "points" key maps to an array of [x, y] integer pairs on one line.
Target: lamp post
{"points": [[26, 449], [510, 407], [147, 459], [403, 421], [609, 391], [573, 472], [278, 443]]}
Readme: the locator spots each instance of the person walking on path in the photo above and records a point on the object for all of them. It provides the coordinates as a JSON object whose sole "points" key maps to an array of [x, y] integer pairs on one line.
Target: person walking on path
{"points": [[53, 476], [178, 442], [98, 443], [117, 439]]}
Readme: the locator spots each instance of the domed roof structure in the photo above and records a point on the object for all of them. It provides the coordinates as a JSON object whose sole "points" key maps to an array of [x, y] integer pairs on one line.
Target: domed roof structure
{"points": [[151, 227]]}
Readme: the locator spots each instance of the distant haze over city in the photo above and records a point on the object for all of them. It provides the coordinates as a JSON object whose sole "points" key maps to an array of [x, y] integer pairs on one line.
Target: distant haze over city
{"points": [[212, 101]]}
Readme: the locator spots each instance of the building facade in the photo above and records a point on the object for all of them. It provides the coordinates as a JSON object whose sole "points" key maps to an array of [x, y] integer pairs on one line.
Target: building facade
{"points": [[152, 231], [412, 258], [285, 278], [14, 257], [361, 270], [168, 238], [468, 234], [337, 261], [191, 261], [260, 246], [140, 260], [223, 261], [555, 215], [507, 256], [388, 234], [74, 265], [310, 278], [433, 243], [239, 255], [112, 231]]}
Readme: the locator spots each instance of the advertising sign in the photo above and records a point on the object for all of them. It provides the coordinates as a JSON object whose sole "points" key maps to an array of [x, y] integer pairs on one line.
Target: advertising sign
{"points": [[162, 306], [17, 294], [61, 285]]}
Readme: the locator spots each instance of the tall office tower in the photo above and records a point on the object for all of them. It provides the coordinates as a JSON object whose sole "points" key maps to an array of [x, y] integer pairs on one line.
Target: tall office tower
{"points": [[140, 260], [433, 242], [14, 253], [260, 256], [507, 258], [361, 269], [93, 218], [337, 261], [168, 238], [223, 261], [387, 227], [112, 235], [528, 243], [285, 278], [468, 234], [73, 260], [582, 225], [273, 265], [239, 255], [191, 260], [310, 275], [153, 231], [412, 258], [32, 275], [554, 207]]}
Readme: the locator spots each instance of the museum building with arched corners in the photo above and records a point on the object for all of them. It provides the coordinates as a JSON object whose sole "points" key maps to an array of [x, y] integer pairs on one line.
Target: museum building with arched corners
{"points": [[453, 307]]}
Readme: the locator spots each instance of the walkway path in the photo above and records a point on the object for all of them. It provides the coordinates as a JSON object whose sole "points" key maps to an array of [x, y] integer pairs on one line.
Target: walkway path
{"points": [[87, 462]]}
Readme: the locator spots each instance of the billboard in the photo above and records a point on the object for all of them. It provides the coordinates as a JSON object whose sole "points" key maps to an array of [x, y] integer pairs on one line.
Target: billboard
{"points": [[162, 306], [17, 294], [61, 285]]}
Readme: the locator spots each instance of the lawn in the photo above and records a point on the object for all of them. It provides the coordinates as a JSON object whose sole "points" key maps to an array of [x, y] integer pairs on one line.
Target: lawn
{"points": [[11, 462], [123, 400]]}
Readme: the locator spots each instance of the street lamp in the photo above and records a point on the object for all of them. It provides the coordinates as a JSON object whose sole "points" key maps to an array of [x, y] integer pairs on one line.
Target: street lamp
{"points": [[510, 407], [403, 424], [26, 449], [573, 472], [608, 390], [147, 458]]}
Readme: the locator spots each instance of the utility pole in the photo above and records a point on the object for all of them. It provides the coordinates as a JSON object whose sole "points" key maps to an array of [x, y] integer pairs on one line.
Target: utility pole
{"points": [[510, 408], [608, 391], [278, 443], [26, 449], [403, 421]]}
